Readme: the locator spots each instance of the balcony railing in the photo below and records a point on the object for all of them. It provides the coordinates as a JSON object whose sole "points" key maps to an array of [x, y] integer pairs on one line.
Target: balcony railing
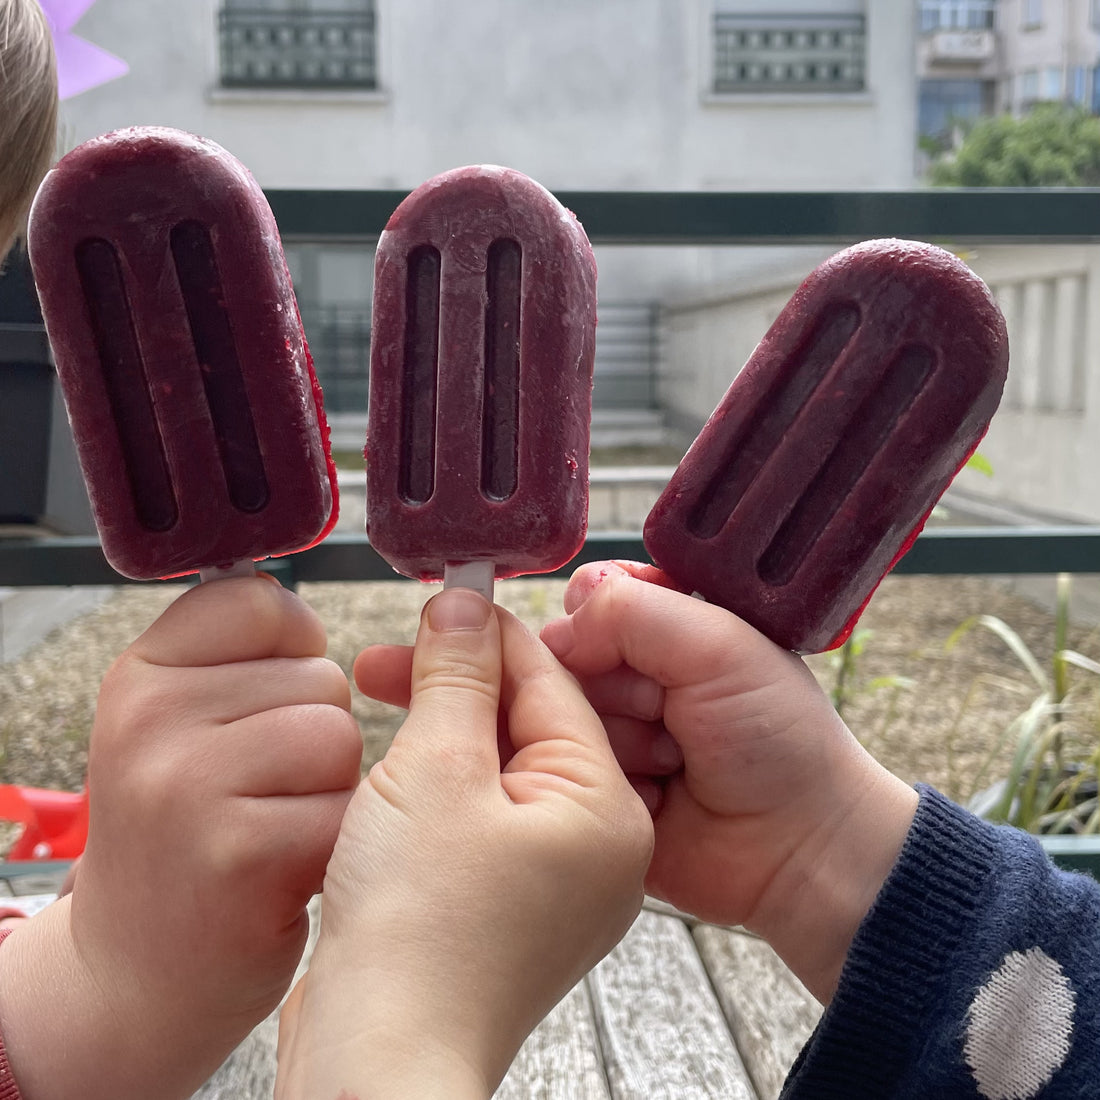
{"points": [[677, 218], [339, 340], [626, 354], [789, 53], [317, 49]]}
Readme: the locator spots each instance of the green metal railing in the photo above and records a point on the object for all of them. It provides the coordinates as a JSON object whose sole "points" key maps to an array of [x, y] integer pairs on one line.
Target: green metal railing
{"points": [[676, 218]]}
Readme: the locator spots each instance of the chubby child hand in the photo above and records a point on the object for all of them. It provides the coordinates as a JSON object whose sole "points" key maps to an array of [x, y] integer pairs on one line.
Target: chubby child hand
{"points": [[777, 819], [464, 897], [222, 758]]}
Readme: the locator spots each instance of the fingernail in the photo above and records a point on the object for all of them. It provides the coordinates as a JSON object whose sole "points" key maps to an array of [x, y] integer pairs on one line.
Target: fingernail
{"points": [[667, 755], [587, 579], [458, 609]]}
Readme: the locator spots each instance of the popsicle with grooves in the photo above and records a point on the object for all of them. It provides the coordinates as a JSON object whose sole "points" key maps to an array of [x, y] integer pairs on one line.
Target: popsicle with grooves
{"points": [[820, 465], [482, 348], [195, 409]]}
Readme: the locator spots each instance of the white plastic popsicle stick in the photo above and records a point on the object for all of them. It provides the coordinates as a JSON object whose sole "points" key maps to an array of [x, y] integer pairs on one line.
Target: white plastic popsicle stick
{"points": [[245, 568], [477, 575]]}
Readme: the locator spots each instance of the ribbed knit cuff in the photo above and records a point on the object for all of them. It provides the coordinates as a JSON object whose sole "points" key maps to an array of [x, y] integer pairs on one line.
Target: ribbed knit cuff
{"points": [[9, 1090], [900, 958]]}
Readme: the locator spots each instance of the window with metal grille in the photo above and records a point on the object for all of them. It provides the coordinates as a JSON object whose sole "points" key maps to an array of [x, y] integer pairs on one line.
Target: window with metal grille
{"points": [[789, 52], [322, 44]]}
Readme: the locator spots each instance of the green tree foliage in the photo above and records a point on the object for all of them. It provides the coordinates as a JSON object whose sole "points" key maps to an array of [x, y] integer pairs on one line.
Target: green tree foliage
{"points": [[1053, 146]]}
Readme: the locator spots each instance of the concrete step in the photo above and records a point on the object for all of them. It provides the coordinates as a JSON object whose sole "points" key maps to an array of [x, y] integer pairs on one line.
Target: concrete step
{"points": [[27, 615], [610, 428]]}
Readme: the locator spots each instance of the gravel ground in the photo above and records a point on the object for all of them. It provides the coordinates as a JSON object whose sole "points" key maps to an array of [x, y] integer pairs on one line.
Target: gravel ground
{"points": [[940, 728]]}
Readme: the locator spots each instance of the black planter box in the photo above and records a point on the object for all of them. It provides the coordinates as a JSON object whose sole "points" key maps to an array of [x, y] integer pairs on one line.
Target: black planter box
{"points": [[26, 397]]}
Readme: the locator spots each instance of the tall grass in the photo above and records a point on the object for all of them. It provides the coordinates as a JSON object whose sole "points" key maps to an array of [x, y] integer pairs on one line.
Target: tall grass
{"points": [[1051, 781]]}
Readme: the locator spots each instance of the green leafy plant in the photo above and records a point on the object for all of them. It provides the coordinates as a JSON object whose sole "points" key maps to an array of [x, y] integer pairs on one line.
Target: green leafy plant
{"points": [[1053, 771], [845, 661], [1054, 145]]}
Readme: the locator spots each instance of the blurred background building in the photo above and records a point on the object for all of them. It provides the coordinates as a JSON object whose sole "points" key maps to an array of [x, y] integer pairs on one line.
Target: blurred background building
{"points": [[982, 57], [696, 95], [614, 95]]}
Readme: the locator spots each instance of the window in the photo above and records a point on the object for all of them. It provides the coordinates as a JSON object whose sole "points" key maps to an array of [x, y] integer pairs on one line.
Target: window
{"points": [[788, 53], [945, 103], [1027, 87], [956, 15], [298, 44], [1079, 85], [1031, 12], [1051, 84]]}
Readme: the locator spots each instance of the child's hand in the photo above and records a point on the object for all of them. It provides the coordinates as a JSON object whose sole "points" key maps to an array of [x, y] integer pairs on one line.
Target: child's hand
{"points": [[463, 899], [778, 819], [221, 761]]}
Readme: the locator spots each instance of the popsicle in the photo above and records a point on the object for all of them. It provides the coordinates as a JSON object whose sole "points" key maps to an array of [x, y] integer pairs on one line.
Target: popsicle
{"points": [[190, 391], [825, 457], [482, 347]]}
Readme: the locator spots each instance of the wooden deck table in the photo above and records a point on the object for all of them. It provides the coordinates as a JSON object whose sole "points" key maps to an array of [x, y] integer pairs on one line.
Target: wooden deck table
{"points": [[680, 1010]]}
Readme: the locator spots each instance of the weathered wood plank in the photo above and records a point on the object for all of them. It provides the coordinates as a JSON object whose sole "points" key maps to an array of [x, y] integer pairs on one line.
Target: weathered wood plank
{"points": [[561, 1058], [770, 1012], [662, 1032]]}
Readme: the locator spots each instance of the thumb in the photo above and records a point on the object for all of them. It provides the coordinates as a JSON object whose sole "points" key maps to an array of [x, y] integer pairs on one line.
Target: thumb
{"points": [[456, 674]]}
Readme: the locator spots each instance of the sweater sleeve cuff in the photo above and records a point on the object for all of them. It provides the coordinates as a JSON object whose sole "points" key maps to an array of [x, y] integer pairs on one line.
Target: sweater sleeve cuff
{"points": [[889, 987]]}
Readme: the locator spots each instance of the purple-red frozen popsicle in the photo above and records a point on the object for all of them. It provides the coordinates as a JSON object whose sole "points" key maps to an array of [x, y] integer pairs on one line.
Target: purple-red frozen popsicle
{"points": [[190, 391], [826, 455], [482, 349]]}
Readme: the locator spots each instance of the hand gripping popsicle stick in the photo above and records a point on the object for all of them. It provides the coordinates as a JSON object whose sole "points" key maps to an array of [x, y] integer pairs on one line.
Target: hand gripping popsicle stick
{"points": [[189, 387], [482, 352], [820, 465]]}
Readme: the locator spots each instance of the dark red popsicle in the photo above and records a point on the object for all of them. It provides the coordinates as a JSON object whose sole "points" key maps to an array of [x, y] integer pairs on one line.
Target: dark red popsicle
{"points": [[823, 460], [191, 394], [482, 349]]}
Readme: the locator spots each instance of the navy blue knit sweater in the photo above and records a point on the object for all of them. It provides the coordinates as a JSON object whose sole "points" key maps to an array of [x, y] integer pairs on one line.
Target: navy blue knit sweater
{"points": [[976, 974]]}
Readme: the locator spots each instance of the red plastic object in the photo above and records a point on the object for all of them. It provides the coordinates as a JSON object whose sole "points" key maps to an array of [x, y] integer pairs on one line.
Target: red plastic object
{"points": [[55, 823]]}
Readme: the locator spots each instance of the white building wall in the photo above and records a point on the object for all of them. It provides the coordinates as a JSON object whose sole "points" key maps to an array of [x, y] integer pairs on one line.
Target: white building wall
{"points": [[579, 94], [1044, 441]]}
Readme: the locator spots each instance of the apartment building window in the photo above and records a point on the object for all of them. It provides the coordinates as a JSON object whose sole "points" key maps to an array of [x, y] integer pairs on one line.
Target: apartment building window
{"points": [[298, 44], [1079, 86], [957, 15], [1050, 86], [1027, 88], [1031, 12], [943, 104], [788, 52]]}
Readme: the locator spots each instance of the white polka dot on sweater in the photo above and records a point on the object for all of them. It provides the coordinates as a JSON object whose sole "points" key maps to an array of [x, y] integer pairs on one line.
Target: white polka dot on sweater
{"points": [[1020, 1026]]}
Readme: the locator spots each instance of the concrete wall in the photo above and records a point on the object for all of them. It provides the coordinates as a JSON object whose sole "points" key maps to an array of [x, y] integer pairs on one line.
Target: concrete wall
{"points": [[1044, 442]]}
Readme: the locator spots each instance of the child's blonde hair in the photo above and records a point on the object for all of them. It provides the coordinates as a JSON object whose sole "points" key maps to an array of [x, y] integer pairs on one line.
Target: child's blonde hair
{"points": [[28, 111]]}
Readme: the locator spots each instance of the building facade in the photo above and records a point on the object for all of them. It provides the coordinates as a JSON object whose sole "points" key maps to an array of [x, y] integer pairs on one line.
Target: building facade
{"points": [[981, 57], [608, 95]]}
